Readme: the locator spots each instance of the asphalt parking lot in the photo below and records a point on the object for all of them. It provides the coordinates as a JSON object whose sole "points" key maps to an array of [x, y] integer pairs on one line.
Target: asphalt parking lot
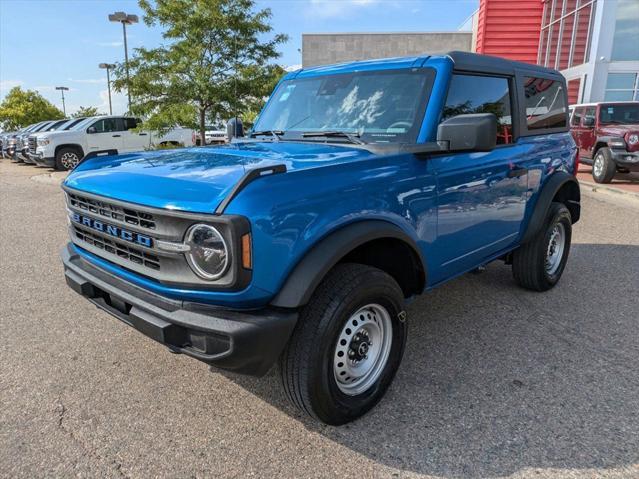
{"points": [[496, 381]]}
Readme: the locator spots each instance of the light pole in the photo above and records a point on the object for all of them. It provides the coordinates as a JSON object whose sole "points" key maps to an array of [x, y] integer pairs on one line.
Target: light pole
{"points": [[107, 67], [62, 90], [125, 20]]}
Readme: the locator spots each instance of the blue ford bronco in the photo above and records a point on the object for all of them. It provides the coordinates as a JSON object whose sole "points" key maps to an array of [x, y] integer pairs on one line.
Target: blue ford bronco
{"points": [[360, 186]]}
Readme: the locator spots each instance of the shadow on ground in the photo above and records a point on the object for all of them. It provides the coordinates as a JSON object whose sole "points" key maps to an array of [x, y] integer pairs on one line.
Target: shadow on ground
{"points": [[496, 380]]}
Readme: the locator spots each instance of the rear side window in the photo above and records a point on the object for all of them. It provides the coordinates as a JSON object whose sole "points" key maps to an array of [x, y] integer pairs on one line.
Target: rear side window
{"points": [[590, 114], [130, 123], [545, 103], [576, 117], [481, 94]]}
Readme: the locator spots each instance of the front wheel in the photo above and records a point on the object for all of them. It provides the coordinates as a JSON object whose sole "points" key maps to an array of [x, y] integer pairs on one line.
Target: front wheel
{"points": [[67, 158], [539, 264], [603, 166], [347, 345]]}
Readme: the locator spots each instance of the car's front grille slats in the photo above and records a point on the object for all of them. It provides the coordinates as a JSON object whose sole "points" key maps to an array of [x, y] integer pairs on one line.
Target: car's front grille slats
{"points": [[33, 145], [112, 211], [118, 248]]}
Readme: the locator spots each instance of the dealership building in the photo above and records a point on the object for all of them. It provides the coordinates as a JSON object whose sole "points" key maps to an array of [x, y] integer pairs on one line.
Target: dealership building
{"points": [[594, 43]]}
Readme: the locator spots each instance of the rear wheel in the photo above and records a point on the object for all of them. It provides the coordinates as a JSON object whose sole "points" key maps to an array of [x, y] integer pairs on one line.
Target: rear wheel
{"points": [[539, 264], [603, 166], [67, 158], [347, 345]]}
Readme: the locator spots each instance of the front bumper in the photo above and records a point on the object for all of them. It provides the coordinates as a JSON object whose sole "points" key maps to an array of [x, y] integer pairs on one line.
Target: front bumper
{"points": [[247, 342], [626, 159], [44, 161]]}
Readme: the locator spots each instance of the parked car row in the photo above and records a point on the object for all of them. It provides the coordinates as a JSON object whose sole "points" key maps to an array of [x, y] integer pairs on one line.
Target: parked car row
{"points": [[607, 135], [62, 144]]}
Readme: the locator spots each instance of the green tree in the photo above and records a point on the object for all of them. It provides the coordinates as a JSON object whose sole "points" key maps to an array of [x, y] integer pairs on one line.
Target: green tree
{"points": [[86, 111], [215, 63], [21, 108]]}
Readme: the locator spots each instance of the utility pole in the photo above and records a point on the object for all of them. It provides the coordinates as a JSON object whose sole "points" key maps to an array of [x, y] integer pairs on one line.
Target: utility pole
{"points": [[62, 90], [125, 20], [107, 67]]}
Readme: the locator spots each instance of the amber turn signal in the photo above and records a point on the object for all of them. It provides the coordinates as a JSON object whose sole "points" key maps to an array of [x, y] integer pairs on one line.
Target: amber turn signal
{"points": [[247, 260]]}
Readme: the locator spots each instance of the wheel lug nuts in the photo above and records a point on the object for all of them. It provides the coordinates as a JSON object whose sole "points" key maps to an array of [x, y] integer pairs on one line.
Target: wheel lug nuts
{"points": [[351, 353]]}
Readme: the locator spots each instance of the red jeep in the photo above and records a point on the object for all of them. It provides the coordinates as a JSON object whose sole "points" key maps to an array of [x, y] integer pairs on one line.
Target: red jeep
{"points": [[607, 135]]}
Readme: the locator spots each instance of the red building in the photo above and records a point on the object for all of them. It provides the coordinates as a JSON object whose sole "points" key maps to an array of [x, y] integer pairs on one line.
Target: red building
{"points": [[509, 29]]}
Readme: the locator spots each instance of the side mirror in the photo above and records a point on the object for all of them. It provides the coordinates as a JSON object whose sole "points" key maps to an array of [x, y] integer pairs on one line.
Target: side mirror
{"points": [[589, 121], [234, 128], [91, 130], [472, 132]]}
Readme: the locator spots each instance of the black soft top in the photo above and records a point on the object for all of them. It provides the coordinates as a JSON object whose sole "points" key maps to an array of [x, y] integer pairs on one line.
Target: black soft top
{"points": [[475, 62]]}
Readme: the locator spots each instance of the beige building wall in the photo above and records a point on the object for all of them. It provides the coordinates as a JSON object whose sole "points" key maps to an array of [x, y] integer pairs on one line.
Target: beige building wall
{"points": [[327, 48]]}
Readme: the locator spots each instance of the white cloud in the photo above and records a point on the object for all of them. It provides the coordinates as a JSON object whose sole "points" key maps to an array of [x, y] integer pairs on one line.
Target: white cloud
{"points": [[6, 85], [111, 44], [337, 8], [88, 80], [118, 101], [292, 68]]}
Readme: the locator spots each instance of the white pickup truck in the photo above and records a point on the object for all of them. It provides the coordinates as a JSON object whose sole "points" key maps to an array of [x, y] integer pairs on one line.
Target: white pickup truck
{"points": [[100, 134]]}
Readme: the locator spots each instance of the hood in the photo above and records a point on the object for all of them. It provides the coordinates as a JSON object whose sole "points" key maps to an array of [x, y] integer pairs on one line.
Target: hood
{"points": [[197, 179]]}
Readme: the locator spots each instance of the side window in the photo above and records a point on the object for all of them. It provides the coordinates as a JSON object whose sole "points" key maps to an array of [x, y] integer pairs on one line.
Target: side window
{"points": [[130, 123], [545, 103], [576, 117], [107, 125], [589, 117], [481, 94]]}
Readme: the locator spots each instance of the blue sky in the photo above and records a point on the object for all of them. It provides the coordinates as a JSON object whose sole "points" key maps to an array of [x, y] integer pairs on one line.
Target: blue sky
{"points": [[44, 43]]}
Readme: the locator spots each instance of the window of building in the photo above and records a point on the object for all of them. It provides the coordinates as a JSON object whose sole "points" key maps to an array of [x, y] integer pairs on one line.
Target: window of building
{"points": [[625, 43], [574, 88], [481, 94], [545, 103], [565, 32], [622, 87]]}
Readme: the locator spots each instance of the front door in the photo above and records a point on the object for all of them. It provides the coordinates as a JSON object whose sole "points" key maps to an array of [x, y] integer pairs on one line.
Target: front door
{"points": [[481, 195], [105, 134]]}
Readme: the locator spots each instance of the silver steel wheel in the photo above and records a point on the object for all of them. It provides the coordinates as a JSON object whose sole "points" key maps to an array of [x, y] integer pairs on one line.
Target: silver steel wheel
{"points": [[362, 349], [598, 166], [69, 160], [556, 247]]}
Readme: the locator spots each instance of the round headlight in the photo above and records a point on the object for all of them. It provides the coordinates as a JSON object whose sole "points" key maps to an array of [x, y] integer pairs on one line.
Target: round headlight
{"points": [[633, 139], [208, 256]]}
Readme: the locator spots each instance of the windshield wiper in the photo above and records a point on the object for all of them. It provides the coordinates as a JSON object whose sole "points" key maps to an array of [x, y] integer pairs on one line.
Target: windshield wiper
{"points": [[352, 137], [273, 133]]}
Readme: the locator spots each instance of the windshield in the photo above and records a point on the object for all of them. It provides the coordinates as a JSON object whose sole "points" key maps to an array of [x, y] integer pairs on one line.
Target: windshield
{"points": [[83, 123], [56, 125], [619, 114], [378, 106]]}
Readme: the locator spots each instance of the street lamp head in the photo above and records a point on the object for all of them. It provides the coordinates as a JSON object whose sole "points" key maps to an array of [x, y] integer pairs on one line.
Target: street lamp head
{"points": [[106, 65], [63, 88], [122, 17]]}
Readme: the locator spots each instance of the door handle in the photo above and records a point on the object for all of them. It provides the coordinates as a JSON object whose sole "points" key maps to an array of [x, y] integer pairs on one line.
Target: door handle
{"points": [[516, 172], [116, 136], [143, 134]]}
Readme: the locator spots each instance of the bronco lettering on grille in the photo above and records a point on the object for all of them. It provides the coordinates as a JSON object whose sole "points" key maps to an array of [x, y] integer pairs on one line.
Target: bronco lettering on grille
{"points": [[112, 230]]}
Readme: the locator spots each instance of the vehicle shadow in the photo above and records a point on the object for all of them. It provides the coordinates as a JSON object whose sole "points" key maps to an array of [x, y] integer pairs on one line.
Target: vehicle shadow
{"points": [[497, 380]]}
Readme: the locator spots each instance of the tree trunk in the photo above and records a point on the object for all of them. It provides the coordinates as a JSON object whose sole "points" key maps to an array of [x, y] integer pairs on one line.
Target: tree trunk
{"points": [[202, 126]]}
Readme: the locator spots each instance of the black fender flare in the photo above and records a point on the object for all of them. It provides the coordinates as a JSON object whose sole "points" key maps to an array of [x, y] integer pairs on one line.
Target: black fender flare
{"points": [[546, 195], [69, 145], [318, 261]]}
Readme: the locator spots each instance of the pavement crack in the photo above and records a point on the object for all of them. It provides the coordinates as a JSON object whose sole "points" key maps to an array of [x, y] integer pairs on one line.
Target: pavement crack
{"points": [[61, 412]]}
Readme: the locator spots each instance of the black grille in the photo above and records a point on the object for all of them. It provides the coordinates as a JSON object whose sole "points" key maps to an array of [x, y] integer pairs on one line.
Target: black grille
{"points": [[33, 145], [108, 210], [117, 248]]}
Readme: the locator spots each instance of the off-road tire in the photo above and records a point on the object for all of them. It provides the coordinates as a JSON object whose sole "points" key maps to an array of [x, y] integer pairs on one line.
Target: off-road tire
{"points": [[529, 260], [609, 166], [307, 363], [59, 157]]}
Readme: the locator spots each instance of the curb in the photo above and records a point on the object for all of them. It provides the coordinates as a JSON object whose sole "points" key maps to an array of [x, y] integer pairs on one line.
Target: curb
{"points": [[596, 187]]}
